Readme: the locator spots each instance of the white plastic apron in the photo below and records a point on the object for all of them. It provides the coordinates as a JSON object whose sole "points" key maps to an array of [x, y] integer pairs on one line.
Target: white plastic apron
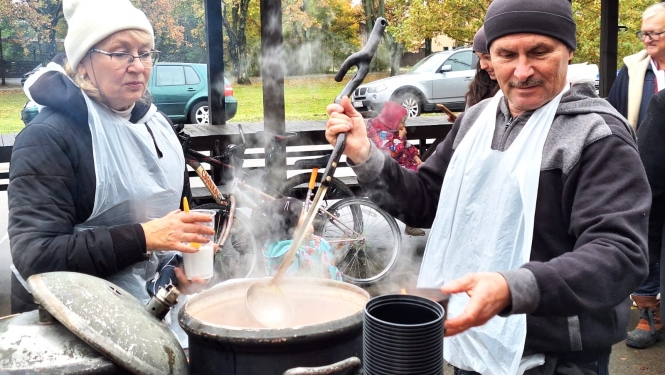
{"points": [[484, 223], [133, 184]]}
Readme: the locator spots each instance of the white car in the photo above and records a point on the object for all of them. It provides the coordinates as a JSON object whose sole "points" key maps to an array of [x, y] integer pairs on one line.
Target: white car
{"points": [[441, 77]]}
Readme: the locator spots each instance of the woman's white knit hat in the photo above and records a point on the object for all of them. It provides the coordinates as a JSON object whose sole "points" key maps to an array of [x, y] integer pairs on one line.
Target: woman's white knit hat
{"points": [[91, 21]]}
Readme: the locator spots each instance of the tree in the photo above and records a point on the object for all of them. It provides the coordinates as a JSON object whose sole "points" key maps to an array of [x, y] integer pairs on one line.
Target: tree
{"points": [[398, 12], [162, 14], [234, 20], [42, 17], [458, 19], [318, 35]]}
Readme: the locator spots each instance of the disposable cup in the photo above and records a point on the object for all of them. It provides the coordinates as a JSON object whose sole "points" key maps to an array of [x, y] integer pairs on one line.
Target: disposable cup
{"points": [[201, 263]]}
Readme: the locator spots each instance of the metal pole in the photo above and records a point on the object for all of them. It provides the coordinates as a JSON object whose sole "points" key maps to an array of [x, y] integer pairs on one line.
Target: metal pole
{"points": [[272, 73], [214, 38], [609, 31]]}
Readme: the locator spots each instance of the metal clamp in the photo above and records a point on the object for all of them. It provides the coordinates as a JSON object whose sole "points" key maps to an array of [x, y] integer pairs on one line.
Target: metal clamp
{"points": [[347, 364], [161, 303]]}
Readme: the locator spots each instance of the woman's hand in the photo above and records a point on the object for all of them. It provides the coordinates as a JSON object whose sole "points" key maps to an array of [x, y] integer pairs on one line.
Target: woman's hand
{"points": [[193, 286], [344, 118], [170, 231]]}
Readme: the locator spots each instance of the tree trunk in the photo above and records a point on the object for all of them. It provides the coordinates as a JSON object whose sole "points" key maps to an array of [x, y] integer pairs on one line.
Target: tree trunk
{"points": [[238, 40], [2, 61], [396, 51]]}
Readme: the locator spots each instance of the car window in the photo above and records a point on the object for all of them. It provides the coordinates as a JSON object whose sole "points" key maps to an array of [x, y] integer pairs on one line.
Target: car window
{"points": [[429, 63], [191, 77], [170, 76], [461, 61]]}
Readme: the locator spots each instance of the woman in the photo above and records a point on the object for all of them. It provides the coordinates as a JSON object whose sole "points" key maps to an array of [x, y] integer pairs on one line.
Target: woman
{"points": [[484, 84], [97, 177]]}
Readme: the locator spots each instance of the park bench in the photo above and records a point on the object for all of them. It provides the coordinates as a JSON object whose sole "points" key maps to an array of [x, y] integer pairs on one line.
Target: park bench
{"points": [[427, 131]]}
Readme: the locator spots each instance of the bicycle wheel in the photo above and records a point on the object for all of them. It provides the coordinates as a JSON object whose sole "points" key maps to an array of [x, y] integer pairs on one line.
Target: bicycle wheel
{"points": [[296, 187], [365, 240], [238, 257]]}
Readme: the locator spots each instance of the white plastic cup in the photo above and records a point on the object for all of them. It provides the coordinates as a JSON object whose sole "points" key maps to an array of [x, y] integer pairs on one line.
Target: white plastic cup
{"points": [[201, 263]]}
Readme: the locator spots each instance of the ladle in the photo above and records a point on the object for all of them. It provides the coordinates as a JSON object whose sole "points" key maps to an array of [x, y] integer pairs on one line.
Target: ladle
{"points": [[265, 300]]}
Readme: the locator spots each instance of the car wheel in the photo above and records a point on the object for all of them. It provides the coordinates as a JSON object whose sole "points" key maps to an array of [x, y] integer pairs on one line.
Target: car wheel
{"points": [[411, 103], [199, 113]]}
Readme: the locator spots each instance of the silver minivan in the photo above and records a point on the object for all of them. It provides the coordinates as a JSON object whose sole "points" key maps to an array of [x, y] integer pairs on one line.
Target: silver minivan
{"points": [[441, 77]]}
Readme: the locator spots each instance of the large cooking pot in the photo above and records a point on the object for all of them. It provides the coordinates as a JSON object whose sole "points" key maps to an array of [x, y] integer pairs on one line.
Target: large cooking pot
{"points": [[30, 345], [224, 339], [87, 326]]}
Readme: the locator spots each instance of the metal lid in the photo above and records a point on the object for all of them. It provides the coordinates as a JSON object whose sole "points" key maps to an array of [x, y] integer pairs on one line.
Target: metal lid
{"points": [[26, 346], [110, 320]]}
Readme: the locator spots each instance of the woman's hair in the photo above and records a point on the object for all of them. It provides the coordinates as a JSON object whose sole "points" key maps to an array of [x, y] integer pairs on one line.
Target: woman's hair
{"points": [[84, 81], [481, 87]]}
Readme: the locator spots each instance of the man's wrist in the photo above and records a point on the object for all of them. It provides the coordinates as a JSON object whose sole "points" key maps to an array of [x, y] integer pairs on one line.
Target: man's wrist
{"points": [[364, 155]]}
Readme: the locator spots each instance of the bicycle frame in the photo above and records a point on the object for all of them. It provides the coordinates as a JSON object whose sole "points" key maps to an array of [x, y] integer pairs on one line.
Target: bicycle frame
{"points": [[194, 159]]}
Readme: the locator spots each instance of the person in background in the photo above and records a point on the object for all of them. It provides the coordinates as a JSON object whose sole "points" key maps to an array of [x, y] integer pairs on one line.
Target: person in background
{"points": [[388, 132], [276, 222], [537, 201], [98, 176], [484, 83], [642, 75], [650, 141]]}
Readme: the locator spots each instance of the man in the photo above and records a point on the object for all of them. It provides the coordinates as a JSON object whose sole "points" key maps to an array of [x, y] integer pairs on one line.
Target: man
{"points": [[643, 75], [637, 81], [543, 216]]}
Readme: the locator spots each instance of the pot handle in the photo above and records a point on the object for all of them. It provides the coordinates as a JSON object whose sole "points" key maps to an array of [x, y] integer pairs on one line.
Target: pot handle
{"points": [[346, 364]]}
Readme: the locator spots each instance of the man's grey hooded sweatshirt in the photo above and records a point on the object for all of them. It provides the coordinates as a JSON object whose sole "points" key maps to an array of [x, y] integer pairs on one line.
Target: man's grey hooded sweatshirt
{"points": [[589, 248]]}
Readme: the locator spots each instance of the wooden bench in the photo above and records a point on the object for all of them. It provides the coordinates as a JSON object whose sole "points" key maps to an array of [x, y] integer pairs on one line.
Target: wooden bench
{"points": [[6, 143], [427, 131]]}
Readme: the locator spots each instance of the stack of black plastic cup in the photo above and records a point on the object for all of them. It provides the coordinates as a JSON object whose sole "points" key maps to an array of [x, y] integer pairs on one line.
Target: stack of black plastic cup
{"points": [[403, 334]]}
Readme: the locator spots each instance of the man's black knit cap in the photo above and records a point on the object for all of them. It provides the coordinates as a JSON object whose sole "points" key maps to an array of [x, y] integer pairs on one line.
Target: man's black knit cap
{"points": [[553, 18]]}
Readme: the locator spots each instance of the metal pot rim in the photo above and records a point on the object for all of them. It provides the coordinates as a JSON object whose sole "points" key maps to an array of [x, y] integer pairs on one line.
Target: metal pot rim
{"points": [[239, 335]]}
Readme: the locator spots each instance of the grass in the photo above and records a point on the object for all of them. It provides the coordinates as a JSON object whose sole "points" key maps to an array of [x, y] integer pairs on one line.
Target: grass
{"points": [[11, 102], [305, 97]]}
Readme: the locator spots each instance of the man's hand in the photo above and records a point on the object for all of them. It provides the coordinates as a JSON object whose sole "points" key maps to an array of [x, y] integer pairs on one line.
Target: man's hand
{"points": [[344, 118], [489, 295], [170, 231]]}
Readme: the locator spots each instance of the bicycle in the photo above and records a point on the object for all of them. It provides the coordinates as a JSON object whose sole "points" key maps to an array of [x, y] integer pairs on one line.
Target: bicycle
{"points": [[366, 240], [358, 262], [237, 249]]}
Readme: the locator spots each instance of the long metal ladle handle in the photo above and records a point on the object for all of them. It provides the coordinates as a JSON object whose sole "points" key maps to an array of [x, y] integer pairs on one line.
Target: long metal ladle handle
{"points": [[300, 234], [361, 59]]}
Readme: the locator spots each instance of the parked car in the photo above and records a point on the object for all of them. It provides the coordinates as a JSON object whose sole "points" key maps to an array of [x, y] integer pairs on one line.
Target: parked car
{"points": [[441, 77], [180, 90], [28, 74]]}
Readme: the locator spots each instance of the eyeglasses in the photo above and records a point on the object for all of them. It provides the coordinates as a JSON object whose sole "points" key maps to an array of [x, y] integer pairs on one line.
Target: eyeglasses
{"points": [[123, 59], [652, 35]]}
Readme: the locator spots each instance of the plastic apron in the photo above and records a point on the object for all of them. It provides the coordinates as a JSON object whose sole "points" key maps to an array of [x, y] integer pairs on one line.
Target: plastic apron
{"points": [[133, 185], [484, 223]]}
